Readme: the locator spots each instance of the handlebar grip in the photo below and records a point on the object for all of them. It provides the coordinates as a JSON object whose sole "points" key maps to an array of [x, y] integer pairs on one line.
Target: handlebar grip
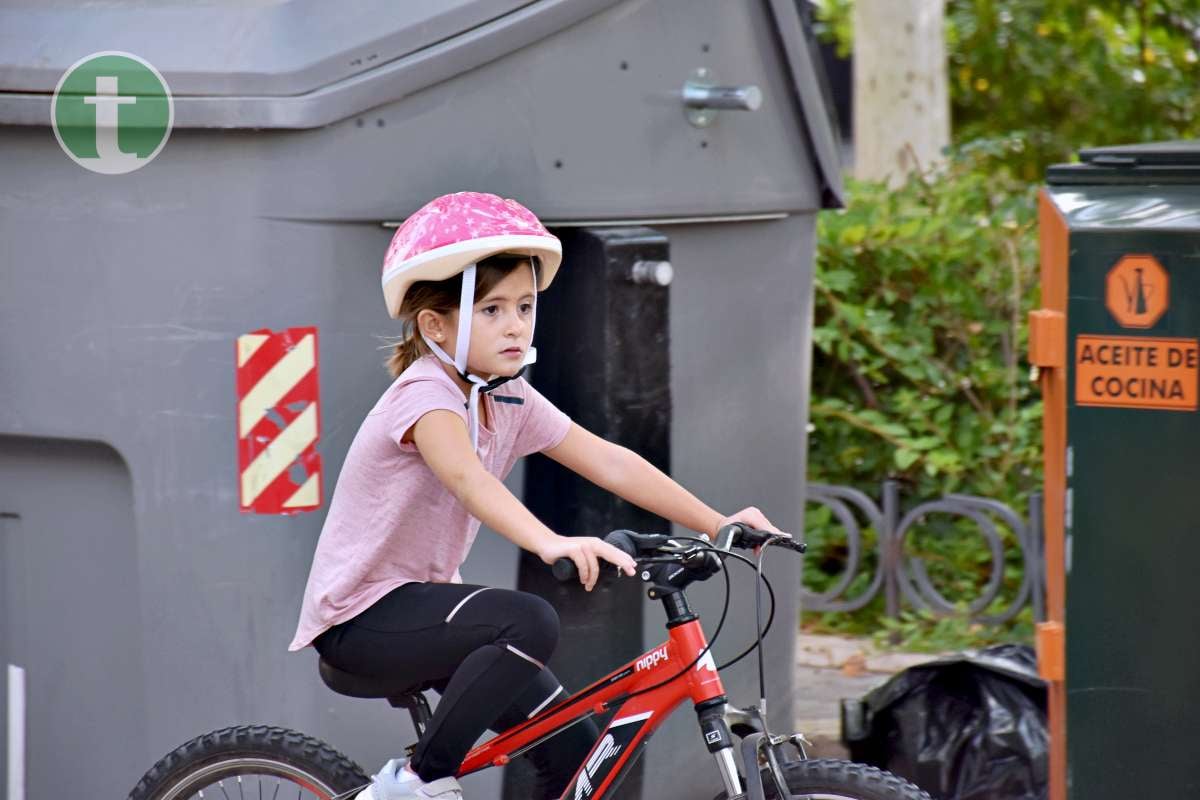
{"points": [[564, 570], [792, 544], [628, 542], [739, 534]]}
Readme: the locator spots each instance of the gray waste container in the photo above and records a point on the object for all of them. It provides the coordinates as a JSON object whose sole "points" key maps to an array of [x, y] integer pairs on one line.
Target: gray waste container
{"points": [[144, 601]]}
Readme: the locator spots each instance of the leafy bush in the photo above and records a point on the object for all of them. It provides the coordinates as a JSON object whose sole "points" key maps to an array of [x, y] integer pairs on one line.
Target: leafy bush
{"points": [[919, 368]]}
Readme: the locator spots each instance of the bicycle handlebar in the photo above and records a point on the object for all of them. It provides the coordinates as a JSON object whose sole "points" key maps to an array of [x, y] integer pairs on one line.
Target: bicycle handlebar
{"points": [[647, 548]]}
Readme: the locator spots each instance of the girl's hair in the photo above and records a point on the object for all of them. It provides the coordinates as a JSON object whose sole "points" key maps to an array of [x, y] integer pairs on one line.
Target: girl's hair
{"points": [[443, 297]]}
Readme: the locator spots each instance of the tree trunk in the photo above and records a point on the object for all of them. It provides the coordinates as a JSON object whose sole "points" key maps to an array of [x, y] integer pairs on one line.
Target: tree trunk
{"points": [[901, 104]]}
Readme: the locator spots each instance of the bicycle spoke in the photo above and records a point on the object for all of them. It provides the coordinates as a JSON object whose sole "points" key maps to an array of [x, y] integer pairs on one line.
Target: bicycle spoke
{"points": [[221, 786]]}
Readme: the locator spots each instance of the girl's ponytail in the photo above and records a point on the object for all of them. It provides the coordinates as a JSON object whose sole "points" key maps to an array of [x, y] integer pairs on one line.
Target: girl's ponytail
{"points": [[406, 351]]}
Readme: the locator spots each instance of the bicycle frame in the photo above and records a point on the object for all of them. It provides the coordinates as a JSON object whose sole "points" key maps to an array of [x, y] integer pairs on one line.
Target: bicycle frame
{"points": [[635, 720]]}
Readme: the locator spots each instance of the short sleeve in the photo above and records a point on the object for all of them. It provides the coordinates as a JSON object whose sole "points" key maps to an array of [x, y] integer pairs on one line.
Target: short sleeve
{"points": [[415, 399], [544, 425]]}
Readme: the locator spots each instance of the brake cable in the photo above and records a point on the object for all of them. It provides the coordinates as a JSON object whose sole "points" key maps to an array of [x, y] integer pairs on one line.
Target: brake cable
{"points": [[758, 642], [720, 624], [761, 581], [706, 546], [762, 675]]}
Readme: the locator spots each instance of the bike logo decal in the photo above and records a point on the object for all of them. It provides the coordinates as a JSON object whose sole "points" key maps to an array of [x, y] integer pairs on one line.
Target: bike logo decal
{"points": [[608, 747], [604, 755], [652, 660], [707, 663]]}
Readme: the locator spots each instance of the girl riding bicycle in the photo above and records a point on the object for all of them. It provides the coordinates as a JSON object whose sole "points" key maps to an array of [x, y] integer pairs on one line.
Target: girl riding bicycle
{"points": [[384, 595]]}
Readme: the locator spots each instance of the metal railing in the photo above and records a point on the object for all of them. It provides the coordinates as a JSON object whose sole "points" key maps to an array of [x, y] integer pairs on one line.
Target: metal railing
{"points": [[904, 578]]}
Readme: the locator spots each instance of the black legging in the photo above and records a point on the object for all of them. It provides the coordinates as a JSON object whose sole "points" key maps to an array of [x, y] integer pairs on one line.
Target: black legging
{"points": [[484, 651]]}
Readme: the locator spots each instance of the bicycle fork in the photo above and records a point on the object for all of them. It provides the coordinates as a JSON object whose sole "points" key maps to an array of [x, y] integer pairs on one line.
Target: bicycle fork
{"points": [[759, 749], [719, 741]]}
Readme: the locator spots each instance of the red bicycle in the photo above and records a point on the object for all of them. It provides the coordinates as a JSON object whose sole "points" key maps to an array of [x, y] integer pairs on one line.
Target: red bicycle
{"points": [[641, 695]]}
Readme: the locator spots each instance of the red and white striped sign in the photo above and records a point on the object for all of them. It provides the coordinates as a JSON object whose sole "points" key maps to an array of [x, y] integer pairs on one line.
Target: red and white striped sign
{"points": [[279, 421]]}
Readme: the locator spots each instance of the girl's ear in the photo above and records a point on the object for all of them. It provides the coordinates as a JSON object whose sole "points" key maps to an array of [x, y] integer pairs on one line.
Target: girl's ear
{"points": [[432, 324]]}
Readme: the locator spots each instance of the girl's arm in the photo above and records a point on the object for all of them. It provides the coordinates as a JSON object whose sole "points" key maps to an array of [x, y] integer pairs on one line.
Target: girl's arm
{"points": [[442, 439], [628, 475]]}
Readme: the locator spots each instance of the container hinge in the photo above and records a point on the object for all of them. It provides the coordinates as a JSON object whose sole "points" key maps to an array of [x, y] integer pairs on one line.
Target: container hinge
{"points": [[1047, 338], [1051, 651]]}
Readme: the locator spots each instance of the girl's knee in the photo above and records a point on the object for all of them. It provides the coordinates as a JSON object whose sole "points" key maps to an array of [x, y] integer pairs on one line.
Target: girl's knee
{"points": [[535, 623]]}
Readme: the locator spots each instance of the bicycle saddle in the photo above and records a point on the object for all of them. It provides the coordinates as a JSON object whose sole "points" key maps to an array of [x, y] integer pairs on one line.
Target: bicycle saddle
{"points": [[353, 685]]}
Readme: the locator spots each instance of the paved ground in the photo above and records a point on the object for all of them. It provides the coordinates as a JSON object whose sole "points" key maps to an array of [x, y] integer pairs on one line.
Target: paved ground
{"points": [[829, 668]]}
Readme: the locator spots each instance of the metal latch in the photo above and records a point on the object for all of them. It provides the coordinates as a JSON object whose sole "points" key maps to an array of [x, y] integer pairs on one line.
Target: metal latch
{"points": [[702, 98]]}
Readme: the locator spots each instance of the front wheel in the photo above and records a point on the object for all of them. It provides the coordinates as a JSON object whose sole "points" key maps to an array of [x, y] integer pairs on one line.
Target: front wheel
{"points": [[251, 761], [833, 779]]}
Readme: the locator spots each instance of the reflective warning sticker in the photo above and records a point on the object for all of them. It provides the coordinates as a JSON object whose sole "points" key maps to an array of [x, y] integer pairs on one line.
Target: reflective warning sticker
{"points": [[1137, 372], [279, 422]]}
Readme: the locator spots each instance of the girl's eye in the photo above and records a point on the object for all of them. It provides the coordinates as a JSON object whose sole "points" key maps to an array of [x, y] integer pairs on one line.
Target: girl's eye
{"points": [[491, 310], [526, 308]]}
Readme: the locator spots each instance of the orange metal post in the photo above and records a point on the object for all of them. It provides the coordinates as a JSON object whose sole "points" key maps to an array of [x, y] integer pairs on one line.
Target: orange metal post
{"points": [[1048, 347]]}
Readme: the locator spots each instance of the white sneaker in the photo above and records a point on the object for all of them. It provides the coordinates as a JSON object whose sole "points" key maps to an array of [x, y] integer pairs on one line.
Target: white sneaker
{"points": [[393, 782]]}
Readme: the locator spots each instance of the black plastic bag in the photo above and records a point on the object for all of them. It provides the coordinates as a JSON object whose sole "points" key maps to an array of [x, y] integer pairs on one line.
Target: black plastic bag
{"points": [[965, 727]]}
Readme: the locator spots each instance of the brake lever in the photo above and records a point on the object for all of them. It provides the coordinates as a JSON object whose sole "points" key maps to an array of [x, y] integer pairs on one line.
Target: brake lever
{"points": [[727, 534]]}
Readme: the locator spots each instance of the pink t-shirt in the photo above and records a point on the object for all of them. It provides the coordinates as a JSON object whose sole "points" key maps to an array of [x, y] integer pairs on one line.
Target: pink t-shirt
{"points": [[391, 521]]}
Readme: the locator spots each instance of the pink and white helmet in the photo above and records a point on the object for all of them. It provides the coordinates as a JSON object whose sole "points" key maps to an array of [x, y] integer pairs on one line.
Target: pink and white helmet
{"points": [[454, 231], [451, 234]]}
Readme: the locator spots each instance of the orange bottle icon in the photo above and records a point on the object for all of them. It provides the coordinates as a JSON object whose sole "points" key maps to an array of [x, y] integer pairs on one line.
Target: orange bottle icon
{"points": [[1137, 291]]}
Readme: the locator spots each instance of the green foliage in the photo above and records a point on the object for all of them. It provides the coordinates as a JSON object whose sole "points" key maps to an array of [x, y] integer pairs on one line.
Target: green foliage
{"points": [[919, 371], [1063, 74], [919, 332], [922, 292], [925, 632]]}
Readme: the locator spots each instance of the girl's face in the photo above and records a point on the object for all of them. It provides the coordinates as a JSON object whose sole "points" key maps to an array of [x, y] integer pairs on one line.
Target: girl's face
{"points": [[501, 328]]}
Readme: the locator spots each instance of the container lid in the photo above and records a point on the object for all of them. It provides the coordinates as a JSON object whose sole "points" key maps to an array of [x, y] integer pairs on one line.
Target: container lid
{"points": [[269, 63], [231, 47], [1151, 163]]}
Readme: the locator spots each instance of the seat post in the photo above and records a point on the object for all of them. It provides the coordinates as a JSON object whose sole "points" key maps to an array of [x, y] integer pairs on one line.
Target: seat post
{"points": [[418, 709]]}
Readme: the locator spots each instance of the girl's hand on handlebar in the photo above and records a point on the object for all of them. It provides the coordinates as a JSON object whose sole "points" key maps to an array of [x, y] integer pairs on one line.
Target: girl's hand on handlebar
{"points": [[749, 516], [586, 552]]}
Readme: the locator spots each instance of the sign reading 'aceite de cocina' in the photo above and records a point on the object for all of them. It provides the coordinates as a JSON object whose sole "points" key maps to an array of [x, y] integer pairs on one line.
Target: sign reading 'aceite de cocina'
{"points": [[1137, 372]]}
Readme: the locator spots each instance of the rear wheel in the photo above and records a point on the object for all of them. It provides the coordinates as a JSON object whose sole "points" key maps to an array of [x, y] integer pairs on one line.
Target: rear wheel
{"points": [[251, 761], [833, 779]]}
